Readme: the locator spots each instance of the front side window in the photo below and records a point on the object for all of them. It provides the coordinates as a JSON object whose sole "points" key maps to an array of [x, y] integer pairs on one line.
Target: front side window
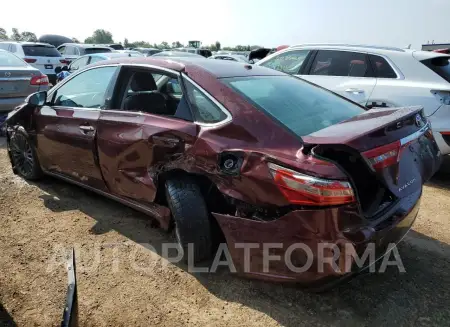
{"points": [[340, 63], [86, 90], [301, 107], [62, 50], [70, 50], [204, 109], [78, 64], [288, 62]]}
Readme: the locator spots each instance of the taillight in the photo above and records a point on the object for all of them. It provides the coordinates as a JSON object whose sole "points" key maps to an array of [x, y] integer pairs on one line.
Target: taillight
{"points": [[63, 61], [308, 190], [39, 80], [383, 156], [29, 60]]}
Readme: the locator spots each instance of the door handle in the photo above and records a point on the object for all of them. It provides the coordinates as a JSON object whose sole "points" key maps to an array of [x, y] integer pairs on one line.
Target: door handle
{"points": [[354, 90], [85, 128]]}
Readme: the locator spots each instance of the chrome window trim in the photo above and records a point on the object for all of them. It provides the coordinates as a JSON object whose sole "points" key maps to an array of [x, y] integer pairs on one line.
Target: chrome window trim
{"points": [[217, 103]]}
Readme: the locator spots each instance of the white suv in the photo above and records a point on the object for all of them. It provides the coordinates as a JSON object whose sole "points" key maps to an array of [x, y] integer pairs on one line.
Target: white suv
{"points": [[42, 56], [376, 77]]}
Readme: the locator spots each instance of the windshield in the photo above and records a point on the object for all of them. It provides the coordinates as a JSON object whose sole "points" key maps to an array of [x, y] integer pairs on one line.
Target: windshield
{"points": [[9, 60], [40, 51], [300, 106], [96, 50], [440, 65]]}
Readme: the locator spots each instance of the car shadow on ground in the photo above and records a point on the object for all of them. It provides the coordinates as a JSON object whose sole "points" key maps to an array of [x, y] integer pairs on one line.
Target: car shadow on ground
{"points": [[418, 297], [441, 179], [5, 318]]}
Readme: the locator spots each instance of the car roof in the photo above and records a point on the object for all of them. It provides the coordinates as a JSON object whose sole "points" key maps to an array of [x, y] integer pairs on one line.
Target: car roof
{"points": [[84, 45], [28, 43], [218, 68]]}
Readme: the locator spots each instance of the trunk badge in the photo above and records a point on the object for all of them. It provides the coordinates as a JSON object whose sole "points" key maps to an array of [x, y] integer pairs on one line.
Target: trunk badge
{"points": [[419, 120], [406, 185], [7, 74]]}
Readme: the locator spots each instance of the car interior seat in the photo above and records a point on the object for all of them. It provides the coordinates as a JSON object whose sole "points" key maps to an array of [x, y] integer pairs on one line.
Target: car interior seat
{"points": [[144, 95]]}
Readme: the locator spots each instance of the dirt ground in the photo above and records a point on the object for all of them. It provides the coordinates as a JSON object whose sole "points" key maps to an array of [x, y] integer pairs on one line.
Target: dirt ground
{"points": [[39, 221]]}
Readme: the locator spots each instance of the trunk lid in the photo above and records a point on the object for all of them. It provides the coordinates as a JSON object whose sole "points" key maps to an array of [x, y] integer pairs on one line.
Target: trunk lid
{"points": [[394, 145], [15, 81]]}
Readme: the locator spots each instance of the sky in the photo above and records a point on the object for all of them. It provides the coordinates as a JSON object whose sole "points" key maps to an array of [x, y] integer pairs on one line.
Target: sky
{"points": [[247, 22]]}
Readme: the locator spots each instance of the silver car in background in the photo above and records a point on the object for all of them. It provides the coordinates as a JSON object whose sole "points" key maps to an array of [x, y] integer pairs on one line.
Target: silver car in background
{"points": [[18, 79]]}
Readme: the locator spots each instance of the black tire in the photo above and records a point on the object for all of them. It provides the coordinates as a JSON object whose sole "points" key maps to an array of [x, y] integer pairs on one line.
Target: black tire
{"points": [[190, 216], [23, 155]]}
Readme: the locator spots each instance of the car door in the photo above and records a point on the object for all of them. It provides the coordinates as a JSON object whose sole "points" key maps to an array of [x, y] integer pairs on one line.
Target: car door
{"points": [[135, 145], [67, 125], [347, 73]]}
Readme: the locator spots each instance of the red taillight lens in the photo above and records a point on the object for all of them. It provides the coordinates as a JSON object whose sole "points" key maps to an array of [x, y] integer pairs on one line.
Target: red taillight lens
{"points": [[307, 190], [29, 60], [63, 61], [383, 156], [39, 80]]}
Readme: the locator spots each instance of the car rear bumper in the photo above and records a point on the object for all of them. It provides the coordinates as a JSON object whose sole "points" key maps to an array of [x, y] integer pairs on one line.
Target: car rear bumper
{"points": [[8, 104], [322, 231]]}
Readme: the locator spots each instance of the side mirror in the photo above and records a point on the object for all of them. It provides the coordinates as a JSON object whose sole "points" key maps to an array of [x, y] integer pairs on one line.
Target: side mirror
{"points": [[37, 99]]}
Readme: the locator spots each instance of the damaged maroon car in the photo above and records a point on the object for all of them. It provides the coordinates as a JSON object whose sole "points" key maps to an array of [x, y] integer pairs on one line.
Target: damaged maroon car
{"points": [[215, 149]]}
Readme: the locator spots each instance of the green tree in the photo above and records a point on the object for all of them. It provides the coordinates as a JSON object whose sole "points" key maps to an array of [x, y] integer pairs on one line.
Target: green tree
{"points": [[15, 35], [164, 45], [75, 40], [3, 35], [217, 45], [28, 37], [126, 44], [100, 36], [177, 44]]}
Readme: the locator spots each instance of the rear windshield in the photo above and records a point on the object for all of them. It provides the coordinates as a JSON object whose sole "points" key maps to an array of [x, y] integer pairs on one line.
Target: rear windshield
{"points": [[440, 65], [40, 51], [9, 60], [300, 106], [96, 50]]}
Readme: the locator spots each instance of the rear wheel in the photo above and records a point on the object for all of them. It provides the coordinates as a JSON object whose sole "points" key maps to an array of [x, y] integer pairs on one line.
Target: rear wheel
{"points": [[23, 156], [191, 217]]}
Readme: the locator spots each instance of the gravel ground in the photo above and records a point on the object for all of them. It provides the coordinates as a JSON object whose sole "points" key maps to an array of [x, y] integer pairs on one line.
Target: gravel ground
{"points": [[40, 220]]}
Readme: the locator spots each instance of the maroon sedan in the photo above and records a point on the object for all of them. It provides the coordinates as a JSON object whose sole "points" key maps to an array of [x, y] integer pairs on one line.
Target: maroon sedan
{"points": [[215, 149]]}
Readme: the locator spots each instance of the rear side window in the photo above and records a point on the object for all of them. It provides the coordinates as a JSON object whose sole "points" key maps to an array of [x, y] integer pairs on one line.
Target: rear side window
{"points": [[40, 51], [204, 109], [7, 59], [341, 63], [288, 62], [70, 50], [96, 50], [301, 107], [381, 67], [440, 65]]}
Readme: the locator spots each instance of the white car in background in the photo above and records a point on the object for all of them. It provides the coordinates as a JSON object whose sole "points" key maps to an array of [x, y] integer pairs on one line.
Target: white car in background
{"points": [[376, 77], [42, 56]]}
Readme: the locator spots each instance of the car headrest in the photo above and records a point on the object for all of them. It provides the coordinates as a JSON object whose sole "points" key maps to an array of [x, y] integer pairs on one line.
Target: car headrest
{"points": [[142, 81]]}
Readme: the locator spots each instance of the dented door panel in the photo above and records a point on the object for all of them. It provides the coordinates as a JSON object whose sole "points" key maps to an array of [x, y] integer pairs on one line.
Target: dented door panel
{"points": [[134, 147]]}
